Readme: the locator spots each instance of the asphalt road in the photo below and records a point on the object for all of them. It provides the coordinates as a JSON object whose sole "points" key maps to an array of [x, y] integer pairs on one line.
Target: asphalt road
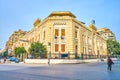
{"points": [[87, 71]]}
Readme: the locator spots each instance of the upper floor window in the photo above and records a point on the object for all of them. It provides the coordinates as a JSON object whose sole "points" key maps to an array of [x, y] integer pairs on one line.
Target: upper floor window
{"points": [[32, 40], [22, 44], [62, 32], [56, 32], [76, 33], [43, 34]]}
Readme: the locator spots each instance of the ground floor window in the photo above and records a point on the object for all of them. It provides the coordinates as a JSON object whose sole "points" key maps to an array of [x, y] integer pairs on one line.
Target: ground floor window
{"points": [[56, 47], [62, 47], [59, 47]]}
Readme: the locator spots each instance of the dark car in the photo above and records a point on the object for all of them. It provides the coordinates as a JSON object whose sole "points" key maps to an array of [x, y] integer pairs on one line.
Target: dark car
{"points": [[13, 59]]}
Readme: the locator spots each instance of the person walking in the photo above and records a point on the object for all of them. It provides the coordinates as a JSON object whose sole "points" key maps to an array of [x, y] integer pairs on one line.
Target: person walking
{"points": [[109, 63], [4, 59]]}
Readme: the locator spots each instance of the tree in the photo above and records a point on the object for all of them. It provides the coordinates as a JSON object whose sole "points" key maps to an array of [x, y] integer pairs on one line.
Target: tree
{"points": [[113, 47], [17, 51], [38, 50], [20, 51], [5, 54]]}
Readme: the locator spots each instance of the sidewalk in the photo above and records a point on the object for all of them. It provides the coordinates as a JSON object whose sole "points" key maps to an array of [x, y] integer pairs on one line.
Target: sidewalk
{"points": [[58, 61]]}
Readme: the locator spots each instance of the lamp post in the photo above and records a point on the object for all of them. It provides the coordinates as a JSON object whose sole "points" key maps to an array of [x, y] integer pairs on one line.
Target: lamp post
{"points": [[49, 55], [49, 44]]}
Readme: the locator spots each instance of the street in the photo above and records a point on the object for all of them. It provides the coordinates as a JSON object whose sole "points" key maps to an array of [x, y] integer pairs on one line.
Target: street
{"points": [[86, 71]]}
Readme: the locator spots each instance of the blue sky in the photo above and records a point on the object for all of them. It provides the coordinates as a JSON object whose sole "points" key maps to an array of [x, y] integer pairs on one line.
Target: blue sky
{"points": [[20, 14]]}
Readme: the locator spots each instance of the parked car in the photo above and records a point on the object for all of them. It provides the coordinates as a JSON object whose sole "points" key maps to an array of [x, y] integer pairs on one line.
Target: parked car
{"points": [[13, 59]]}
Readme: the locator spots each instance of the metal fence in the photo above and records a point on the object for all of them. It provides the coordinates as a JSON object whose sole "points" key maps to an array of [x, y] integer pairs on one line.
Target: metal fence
{"points": [[75, 56]]}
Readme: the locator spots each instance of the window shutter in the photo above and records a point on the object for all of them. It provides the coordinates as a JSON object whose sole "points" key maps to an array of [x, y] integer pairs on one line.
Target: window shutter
{"points": [[63, 32], [63, 47], [56, 47], [56, 32]]}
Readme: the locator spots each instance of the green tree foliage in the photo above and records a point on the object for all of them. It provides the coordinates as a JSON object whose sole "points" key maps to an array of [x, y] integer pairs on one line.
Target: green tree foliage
{"points": [[113, 47], [38, 50], [20, 51], [17, 51], [5, 54]]}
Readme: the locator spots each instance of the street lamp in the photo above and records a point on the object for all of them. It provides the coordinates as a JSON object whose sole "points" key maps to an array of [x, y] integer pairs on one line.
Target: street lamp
{"points": [[49, 55], [49, 44]]}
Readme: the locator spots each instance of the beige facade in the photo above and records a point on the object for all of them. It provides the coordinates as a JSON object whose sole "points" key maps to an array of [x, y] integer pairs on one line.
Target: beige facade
{"points": [[106, 34], [14, 38], [66, 35]]}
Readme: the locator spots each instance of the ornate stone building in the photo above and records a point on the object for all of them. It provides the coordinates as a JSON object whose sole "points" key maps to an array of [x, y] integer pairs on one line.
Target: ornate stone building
{"points": [[14, 38], [106, 33], [65, 36]]}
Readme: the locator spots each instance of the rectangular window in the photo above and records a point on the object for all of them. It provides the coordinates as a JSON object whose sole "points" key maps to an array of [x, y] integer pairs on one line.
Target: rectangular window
{"points": [[22, 44], [56, 47], [62, 47], [62, 32], [76, 33], [56, 32], [76, 48], [32, 39]]}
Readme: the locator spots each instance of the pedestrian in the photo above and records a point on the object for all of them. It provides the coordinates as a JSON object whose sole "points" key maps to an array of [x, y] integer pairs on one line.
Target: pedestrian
{"points": [[4, 59], [0, 60], [109, 63]]}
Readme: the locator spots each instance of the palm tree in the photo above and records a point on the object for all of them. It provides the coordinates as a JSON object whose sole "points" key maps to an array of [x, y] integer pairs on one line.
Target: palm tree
{"points": [[20, 51], [17, 52]]}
